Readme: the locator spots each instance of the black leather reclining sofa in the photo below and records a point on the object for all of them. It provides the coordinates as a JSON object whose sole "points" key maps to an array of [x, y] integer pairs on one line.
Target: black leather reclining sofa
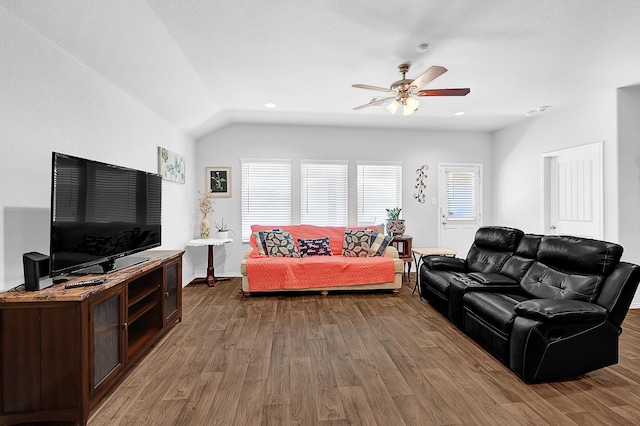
{"points": [[548, 307]]}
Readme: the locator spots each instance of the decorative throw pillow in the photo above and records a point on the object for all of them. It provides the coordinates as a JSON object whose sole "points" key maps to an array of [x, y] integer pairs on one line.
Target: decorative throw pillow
{"points": [[314, 247], [280, 244], [356, 243], [260, 243], [379, 243]]}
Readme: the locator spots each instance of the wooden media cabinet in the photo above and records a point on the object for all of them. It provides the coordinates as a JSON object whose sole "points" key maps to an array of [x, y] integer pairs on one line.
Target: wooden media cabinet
{"points": [[63, 349]]}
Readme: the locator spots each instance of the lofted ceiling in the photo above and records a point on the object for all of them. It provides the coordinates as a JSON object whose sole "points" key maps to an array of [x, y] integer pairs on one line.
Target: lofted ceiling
{"points": [[201, 64]]}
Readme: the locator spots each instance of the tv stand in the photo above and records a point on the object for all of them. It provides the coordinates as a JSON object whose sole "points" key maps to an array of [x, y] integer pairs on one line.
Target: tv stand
{"points": [[62, 350]]}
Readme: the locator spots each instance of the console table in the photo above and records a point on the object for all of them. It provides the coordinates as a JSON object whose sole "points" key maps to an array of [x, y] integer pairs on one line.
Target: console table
{"points": [[62, 349], [211, 278]]}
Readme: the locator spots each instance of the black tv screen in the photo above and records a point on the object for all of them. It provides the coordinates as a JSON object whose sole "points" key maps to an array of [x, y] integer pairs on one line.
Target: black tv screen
{"points": [[101, 213]]}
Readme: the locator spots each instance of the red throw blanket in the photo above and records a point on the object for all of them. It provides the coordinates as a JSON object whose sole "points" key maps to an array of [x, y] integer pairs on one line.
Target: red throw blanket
{"points": [[281, 273]]}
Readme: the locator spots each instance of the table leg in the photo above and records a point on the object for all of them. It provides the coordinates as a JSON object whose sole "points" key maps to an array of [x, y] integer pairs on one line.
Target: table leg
{"points": [[416, 286], [211, 278]]}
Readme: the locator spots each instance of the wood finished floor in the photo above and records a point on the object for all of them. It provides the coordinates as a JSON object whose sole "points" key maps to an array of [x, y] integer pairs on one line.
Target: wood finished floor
{"points": [[349, 359]]}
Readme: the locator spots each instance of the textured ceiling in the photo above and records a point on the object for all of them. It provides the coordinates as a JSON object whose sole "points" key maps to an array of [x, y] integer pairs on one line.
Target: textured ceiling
{"points": [[201, 63]]}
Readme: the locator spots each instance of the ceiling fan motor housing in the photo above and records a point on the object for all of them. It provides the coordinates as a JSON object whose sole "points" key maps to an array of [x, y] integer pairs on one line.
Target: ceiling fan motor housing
{"points": [[402, 85]]}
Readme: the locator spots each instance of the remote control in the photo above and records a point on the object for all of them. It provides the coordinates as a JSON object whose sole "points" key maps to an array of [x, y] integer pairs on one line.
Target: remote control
{"points": [[85, 283]]}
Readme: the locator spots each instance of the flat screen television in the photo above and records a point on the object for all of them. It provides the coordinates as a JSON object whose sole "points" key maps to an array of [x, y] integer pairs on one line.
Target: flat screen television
{"points": [[100, 215]]}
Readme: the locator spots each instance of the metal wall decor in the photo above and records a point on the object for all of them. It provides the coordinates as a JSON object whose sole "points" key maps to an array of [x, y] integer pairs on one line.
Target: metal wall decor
{"points": [[420, 185]]}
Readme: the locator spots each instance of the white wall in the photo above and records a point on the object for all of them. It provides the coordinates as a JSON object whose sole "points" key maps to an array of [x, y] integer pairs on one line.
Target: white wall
{"points": [[51, 102], [517, 151], [610, 117], [629, 172], [414, 148]]}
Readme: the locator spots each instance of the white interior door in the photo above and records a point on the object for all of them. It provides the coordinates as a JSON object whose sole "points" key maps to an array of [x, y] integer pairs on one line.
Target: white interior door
{"points": [[460, 205], [573, 191]]}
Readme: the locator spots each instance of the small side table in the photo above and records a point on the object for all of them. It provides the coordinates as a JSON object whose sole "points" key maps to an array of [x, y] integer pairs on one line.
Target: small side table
{"points": [[210, 279], [402, 243], [420, 253]]}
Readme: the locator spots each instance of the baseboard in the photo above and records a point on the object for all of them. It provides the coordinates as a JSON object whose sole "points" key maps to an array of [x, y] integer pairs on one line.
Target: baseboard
{"points": [[186, 281], [635, 305]]}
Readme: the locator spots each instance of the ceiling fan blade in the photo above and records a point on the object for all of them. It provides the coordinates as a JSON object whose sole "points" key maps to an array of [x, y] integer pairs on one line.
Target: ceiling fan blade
{"points": [[366, 86], [443, 92], [427, 76], [376, 102]]}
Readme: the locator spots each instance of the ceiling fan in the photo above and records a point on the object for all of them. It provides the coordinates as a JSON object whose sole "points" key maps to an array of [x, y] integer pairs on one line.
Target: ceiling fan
{"points": [[404, 89]]}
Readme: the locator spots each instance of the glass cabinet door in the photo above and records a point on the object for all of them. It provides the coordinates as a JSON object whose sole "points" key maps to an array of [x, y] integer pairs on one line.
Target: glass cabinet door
{"points": [[107, 323], [171, 292]]}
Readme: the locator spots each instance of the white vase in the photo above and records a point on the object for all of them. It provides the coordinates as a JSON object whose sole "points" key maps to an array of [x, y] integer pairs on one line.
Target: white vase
{"points": [[222, 234], [205, 228]]}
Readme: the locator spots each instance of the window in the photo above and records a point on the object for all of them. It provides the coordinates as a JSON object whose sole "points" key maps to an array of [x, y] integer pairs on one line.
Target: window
{"points": [[379, 188], [461, 192], [324, 193], [266, 194]]}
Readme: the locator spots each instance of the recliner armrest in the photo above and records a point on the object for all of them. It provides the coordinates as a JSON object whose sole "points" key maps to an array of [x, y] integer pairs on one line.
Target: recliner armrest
{"points": [[488, 278], [445, 263], [556, 311]]}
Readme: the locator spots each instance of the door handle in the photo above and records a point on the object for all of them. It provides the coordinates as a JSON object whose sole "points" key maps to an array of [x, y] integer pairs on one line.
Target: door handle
{"points": [[552, 227], [444, 223]]}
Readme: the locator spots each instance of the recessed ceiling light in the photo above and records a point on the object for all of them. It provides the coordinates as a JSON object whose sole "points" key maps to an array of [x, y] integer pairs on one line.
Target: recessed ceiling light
{"points": [[542, 108], [459, 113], [270, 105]]}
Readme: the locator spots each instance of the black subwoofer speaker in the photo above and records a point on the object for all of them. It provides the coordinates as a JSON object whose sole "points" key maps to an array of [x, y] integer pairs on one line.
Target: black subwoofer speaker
{"points": [[36, 267]]}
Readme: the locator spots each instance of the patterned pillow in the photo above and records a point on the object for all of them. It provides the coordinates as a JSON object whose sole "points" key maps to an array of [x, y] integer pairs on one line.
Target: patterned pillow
{"points": [[314, 247], [260, 243], [356, 243], [280, 244], [379, 243]]}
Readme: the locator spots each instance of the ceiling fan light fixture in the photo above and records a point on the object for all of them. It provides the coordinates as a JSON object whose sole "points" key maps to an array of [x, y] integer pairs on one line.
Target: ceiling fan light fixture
{"points": [[410, 105], [393, 107], [401, 91]]}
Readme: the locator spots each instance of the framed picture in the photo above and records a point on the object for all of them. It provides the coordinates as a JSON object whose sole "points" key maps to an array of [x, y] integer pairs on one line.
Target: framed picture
{"points": [[218, 181], [170, 165]]}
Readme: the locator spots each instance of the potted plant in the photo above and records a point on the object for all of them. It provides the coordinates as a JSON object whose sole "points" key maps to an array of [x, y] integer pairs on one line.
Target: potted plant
{"points": [[223, 230], [395, 225]]}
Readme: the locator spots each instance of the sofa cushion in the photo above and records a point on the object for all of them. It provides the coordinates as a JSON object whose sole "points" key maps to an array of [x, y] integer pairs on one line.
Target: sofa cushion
{"points": [[356, 243], [498, 238], [516, 266], [335, 233], [495, 309], [543, 282], [314, 247], [581, 255], [261, 245], [379, 243], [528, 246], [485, 260], [280, 244]]}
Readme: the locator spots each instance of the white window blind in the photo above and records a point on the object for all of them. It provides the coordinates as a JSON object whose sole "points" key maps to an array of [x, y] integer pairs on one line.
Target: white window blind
{"points": [[379, 188], [266, 193], [324, 193], [462, 193]]}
